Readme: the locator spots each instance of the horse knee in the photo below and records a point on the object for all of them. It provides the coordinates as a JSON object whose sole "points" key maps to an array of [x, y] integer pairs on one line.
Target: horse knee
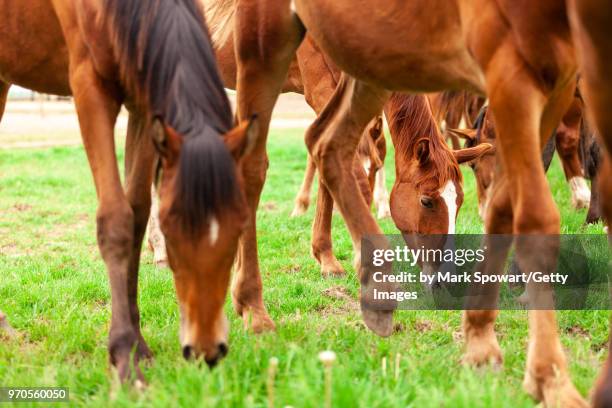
{"points": [[115, 230], [254, 173], [541, 220]]}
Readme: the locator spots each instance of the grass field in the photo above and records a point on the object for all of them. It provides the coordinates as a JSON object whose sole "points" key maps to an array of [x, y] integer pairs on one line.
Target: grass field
{"points": [[53, 287]]}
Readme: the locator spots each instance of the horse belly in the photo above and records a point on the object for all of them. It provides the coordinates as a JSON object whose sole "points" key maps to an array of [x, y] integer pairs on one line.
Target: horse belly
{"points": [[403, 46], [33, 53]]}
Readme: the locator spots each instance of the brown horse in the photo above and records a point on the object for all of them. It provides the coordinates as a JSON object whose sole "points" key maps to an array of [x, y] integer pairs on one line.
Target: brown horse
{"points": [[427, 193], [521, 55], [156, 59]]}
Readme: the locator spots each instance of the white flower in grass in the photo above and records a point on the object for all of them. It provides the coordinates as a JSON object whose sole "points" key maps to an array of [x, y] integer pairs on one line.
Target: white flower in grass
{"points": [[327, 357]]}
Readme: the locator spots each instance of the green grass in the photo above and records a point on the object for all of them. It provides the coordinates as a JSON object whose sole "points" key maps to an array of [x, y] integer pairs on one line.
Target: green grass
{"points": [[54, 289]]}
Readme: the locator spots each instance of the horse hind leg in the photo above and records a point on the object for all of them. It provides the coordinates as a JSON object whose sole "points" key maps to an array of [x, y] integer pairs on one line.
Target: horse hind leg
{"points": [[302, 199], [481, 344], [155, 237], [567, 141]]}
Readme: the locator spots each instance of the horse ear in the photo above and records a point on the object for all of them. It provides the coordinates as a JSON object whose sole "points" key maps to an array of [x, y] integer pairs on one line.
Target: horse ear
{"points": [[166, 140], [472, 153], [468, 134], [242, 139], [422, 151]]}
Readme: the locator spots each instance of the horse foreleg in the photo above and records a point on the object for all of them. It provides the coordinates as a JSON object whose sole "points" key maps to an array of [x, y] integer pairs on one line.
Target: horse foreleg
{"points": [[264, 51], [139, 157], [302, 199], [97, 109], [332, 141], [591, 24], [525, 117]]}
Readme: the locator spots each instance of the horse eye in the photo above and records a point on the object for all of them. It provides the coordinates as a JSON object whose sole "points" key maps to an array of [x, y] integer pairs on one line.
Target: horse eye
{"points": [[427, 202]]}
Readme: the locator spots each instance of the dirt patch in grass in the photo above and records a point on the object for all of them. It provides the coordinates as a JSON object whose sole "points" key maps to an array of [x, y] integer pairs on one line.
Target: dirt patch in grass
{"points": [[19, 207], [269, 206], [423, 326], [578, 331], [348, 304], [291, 269]]}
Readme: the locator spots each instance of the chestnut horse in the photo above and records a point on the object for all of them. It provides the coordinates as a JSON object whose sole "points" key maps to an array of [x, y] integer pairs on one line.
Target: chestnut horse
{"points": [[520, 54], [155, 58]]}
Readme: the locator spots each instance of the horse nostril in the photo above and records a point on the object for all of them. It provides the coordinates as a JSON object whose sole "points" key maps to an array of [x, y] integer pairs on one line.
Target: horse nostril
{"points": [[187, 352], [223, 349], [212, 362]]}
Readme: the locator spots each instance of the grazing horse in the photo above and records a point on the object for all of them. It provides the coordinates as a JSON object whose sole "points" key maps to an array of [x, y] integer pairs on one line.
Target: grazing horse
{"points": [[155, 58], [567, 141], [520, 54], [427, 193]]}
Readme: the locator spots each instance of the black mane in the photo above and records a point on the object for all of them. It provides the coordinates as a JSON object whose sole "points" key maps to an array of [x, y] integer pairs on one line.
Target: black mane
{"points": [[168, 66]]}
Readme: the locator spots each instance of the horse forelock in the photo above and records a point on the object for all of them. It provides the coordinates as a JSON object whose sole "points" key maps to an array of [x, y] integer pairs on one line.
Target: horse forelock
{"points": [[411, 121]]}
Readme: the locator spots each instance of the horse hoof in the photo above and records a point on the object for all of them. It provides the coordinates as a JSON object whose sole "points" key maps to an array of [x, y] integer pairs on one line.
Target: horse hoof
{"points": [[333, 272], [332, 269], [554, 392], [258, 321], [300, 208], [483, 351], [379, 321]]}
